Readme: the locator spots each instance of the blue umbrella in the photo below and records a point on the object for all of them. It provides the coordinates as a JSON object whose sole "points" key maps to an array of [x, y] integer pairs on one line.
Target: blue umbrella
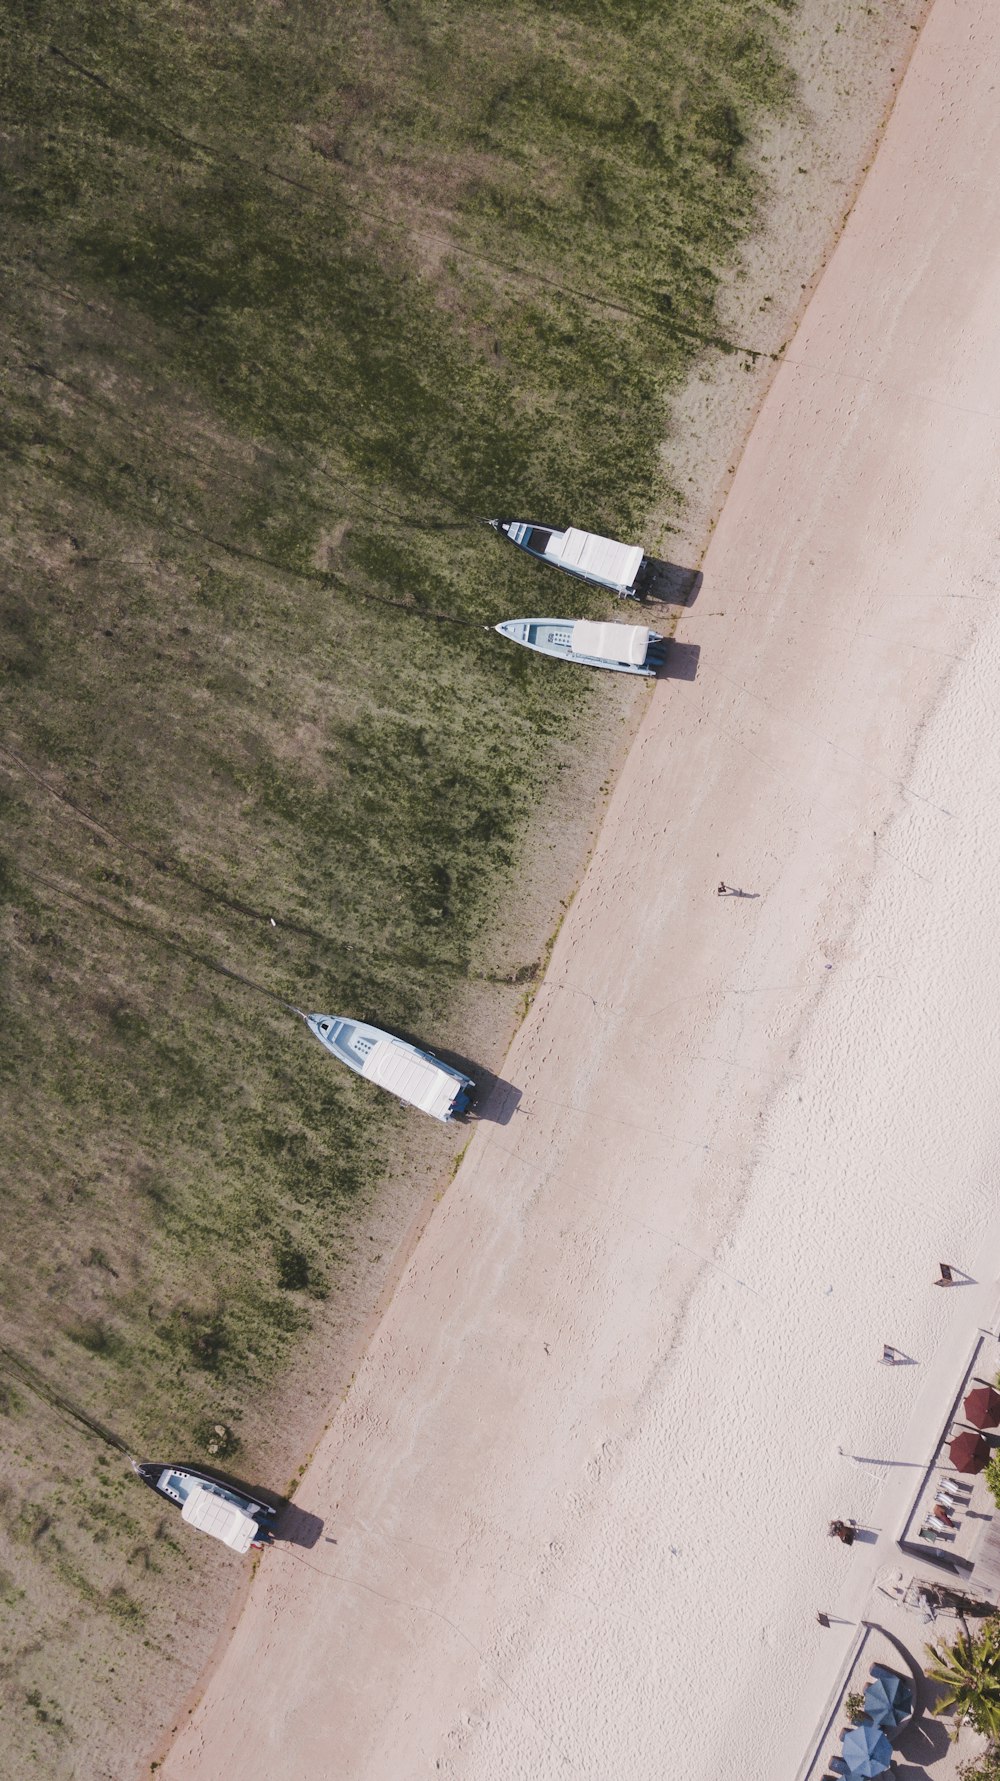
{"points": [[867, 1751], [888, 1700]]}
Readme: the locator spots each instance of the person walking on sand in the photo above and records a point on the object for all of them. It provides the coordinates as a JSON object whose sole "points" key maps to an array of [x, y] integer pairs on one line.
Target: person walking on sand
{"points": [[723, 890]]}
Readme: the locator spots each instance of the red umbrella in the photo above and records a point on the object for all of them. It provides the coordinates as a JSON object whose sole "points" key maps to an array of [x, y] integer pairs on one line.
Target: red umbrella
{"points": [[969, 1452], [982, 1407]]}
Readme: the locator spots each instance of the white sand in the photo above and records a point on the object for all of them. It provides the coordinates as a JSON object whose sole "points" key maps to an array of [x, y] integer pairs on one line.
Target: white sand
{"points": [[579, 1490]]}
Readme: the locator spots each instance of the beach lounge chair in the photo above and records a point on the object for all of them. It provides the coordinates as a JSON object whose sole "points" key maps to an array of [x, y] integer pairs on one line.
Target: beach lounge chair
{"points": [[927, 1532]]}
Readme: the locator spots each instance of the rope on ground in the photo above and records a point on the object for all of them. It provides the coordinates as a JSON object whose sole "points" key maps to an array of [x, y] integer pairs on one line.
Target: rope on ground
{"points": [[165, 862], [172, 941], [36, 1382]]}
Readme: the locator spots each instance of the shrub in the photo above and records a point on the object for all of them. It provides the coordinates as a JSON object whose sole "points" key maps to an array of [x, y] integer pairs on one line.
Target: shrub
{"points": [[982, 1768]]}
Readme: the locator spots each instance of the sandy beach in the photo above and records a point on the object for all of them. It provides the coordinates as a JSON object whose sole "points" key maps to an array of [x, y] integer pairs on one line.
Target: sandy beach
{"points": [[575, 1503]]}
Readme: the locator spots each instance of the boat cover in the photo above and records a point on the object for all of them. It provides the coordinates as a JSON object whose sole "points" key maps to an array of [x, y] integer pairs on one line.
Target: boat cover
{"points": [[413, 1078], [610, 643], [224, 1520], [617, 565]]}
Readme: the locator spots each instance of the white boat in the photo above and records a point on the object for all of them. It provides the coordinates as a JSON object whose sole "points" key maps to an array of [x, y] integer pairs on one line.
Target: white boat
{"points": [[413, 1076], [213, 1508], [587, 554], [627, 649]]}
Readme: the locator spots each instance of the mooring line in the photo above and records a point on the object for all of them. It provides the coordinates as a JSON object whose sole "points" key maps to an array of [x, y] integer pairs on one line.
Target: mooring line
{"points": [[173, 941], [37, 1382]]}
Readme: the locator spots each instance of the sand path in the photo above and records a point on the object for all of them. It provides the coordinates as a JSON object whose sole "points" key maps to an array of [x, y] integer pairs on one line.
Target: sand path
{"points": [[575, 1503]]}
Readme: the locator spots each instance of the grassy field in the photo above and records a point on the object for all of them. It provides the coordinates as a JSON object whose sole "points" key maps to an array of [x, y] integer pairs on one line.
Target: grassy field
{"points": [[293, 297]]}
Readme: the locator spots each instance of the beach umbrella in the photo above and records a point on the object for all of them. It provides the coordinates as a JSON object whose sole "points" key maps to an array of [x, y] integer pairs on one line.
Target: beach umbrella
{"points": [[969, 1452], [982, 1407], [867, 1751], [888, 1700]]}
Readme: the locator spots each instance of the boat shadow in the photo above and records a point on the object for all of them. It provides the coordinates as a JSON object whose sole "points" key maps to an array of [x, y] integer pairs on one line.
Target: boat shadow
{"points": [[680, 662], [297, 1527], [670, 583], [292, 1526], [496, 1101]]}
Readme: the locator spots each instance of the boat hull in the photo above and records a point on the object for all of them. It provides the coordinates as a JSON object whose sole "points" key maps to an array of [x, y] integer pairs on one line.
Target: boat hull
{"points": [[158, 1474], [416, 1077], [604, 562], [553, 637]]}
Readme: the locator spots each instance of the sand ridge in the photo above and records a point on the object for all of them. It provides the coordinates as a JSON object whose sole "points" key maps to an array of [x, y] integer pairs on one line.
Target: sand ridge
{"points": [[587, 1461]]}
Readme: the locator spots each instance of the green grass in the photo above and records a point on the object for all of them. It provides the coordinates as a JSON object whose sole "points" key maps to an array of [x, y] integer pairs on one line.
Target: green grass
{"points": [[293, 297]]}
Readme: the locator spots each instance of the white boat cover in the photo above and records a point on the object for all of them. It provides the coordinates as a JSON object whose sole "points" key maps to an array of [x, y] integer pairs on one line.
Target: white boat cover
{"points": [[617, 565], [416, 1079], [224, 1521], [610, 643]]}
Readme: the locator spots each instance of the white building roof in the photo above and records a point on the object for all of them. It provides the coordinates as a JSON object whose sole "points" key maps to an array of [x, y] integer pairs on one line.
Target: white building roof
{"points": [[413, 1078], [617, 565], [610, 643], [212, 1514]]}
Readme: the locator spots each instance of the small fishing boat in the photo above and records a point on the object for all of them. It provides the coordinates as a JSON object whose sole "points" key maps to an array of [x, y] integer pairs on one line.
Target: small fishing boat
{"points": [[587, 554], [413, 1076], [239, 1521], [627, 649]]}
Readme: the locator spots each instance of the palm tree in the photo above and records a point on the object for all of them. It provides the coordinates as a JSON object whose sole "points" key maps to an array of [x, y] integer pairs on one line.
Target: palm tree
{"points": [[968, 1673]]}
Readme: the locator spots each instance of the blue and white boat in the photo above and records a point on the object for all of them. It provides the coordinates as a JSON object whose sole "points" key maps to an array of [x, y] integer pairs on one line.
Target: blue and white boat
{"points": [[627, 649], [239, 1521], [413, 1076], [586, 554]]}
